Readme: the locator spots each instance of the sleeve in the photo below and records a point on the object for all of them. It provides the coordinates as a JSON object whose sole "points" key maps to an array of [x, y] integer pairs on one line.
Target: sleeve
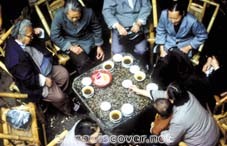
{"points": [[161, 31], [108, 11], [144, 11], [97, 30], [200, 34], [56, 31], [174, 134]]}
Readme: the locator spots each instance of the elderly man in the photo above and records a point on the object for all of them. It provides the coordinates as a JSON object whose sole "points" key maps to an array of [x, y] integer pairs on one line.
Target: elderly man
{"points": [[76, 31], [32, 68]]}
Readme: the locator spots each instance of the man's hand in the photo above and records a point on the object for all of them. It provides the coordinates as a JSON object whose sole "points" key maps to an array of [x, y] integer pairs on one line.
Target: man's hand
{"points": [[136, 27], [207, 65], [100, 54], [76, 49], [186, 49], [48, 82], [121, 30], [163, 53], [215, 63]]}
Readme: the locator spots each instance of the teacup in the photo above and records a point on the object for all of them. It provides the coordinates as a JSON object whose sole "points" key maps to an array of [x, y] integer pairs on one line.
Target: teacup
{"points": [[127, 109], [127, 61], [88, 91], [108, 65], [139, 76], [151, 86], [115, 116]]}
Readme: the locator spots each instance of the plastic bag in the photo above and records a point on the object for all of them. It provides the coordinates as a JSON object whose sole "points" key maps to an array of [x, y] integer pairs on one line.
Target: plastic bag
{"points": [[19, 119]]}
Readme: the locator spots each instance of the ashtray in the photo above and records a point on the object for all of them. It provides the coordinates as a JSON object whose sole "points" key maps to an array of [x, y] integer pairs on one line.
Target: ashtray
{"points": [[101, 78]]}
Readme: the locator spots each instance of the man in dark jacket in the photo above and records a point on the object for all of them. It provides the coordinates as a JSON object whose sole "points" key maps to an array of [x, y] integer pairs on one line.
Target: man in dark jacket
{"points": [[32, 68]]}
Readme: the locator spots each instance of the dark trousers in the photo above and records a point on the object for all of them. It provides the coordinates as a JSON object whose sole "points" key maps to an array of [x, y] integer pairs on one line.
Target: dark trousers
{"points": [[83, 61]]}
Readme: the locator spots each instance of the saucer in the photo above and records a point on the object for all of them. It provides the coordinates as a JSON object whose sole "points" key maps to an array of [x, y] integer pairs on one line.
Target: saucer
{"points": [[117, 58], [126, 83], [105, 106], [151, 86], [86, 81], [127, 109]]}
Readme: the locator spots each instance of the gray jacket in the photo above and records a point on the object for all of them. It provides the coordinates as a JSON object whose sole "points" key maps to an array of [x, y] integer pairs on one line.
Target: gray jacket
{"points": [[119, 11], [87, 32], [192, 124]]}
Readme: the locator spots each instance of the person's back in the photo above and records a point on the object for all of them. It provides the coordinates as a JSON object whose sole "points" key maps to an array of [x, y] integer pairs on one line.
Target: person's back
{"points": [[195, 122], [190, 122]]}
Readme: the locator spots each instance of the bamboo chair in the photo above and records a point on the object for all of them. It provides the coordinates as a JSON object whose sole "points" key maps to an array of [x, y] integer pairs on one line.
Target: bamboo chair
{"points": [[16, 137], [62, 58], [198, 8], [13, 87], [221, 117], [58, 138]]}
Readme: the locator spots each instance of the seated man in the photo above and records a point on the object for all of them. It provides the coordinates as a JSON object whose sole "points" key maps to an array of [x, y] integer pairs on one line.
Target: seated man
{"points": [[76, 31], [32, 68], [189, 122]]}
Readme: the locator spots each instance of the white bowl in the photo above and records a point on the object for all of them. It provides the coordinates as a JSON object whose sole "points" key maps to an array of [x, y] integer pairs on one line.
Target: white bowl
{"points": [[127, 61], [108, 65], [139, 76], [86, 81], [115, 116], [151, 86], [126, 83], [117, 58], [88, 91], [134, 68], [127, 109], [105, 106]]}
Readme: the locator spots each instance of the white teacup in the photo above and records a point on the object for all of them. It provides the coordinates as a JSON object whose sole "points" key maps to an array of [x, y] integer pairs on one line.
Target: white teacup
{"points": [[108, 65], [88, 91], [151, 86], [117, 58], [127, 61], [127, 109], [115, 116], [139, 76]]}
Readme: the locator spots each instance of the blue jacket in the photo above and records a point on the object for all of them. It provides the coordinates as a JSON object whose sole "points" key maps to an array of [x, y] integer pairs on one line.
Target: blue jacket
{"points": [[119, 11], [87, 32], [191, 32]]}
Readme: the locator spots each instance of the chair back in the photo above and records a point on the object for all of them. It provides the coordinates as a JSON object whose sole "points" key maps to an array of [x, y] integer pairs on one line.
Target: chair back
{"points": [[204, 10]]}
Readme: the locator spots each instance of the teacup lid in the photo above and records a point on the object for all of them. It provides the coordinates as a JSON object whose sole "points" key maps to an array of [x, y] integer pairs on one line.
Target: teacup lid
{"points": [[86, 81], [126, 83], [152, 86], [134, 68], [117, 58], [127, 109], [105, 106]]}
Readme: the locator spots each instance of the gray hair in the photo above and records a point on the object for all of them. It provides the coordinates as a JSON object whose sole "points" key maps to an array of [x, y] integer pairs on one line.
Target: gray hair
{"points": [[73, 5], [20, 28]]}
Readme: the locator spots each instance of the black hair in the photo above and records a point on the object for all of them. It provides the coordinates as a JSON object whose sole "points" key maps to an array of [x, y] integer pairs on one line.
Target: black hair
{"points": [[164, 107], [177, 92], [85, 126], [178, 5]]}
